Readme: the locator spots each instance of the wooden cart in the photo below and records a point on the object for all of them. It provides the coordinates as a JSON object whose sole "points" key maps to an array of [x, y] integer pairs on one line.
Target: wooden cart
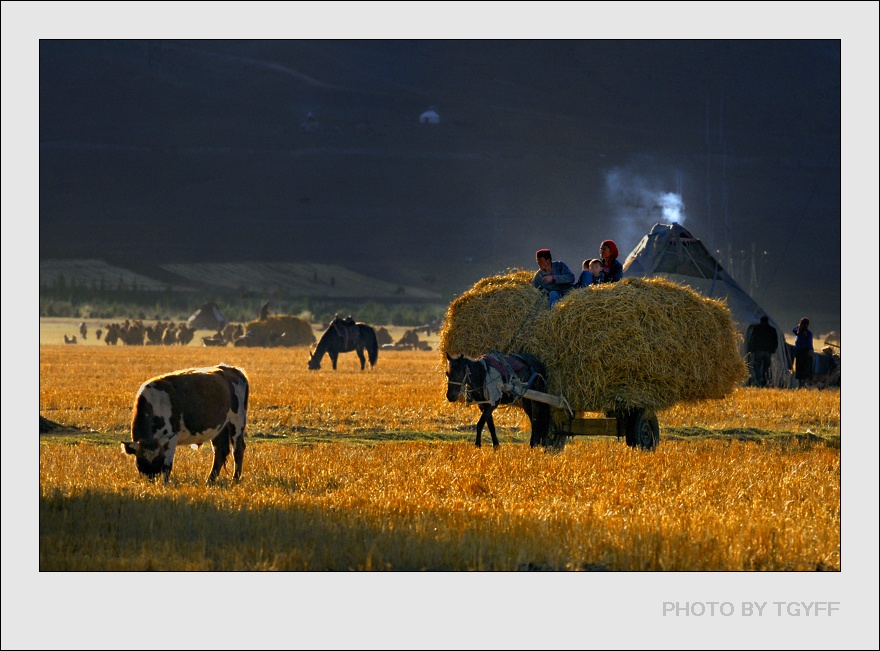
{"points": [[637, 426]]}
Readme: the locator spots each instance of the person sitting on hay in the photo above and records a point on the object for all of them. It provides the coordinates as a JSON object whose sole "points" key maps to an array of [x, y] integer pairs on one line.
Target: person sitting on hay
{"points": [[553, 278]]}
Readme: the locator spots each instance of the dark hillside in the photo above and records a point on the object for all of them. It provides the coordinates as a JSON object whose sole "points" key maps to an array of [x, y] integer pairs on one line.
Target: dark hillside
{"points": [[289, 151]]}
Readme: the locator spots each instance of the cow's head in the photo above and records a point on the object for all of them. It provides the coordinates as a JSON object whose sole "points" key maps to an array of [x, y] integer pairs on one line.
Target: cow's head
{"points": [[149, 457]]}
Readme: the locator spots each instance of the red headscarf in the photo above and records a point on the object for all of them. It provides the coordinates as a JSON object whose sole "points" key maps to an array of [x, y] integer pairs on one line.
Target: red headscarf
{"points": [[611, 247]]}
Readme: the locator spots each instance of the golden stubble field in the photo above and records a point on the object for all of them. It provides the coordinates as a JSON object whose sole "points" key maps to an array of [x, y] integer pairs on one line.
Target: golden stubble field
{"points": [[374, 470]]}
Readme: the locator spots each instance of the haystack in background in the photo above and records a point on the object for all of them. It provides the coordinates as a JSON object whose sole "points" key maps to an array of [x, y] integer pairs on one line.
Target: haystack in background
{"points": [[278, 330], [383, 336], [647, 343]]}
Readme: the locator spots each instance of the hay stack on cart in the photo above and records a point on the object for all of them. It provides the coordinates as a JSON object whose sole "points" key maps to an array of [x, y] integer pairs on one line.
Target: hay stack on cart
{"points": [[627, 349]]}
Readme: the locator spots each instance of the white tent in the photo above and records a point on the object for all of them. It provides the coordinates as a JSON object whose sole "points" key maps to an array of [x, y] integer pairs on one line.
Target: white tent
{"points": [[207, 317], [429, 117], [670, 251]]}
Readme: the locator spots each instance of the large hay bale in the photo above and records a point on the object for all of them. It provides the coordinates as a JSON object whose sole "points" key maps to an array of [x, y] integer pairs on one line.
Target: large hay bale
{"points": [[496, 313], [280, 330], [647, 343], [383, 336]]}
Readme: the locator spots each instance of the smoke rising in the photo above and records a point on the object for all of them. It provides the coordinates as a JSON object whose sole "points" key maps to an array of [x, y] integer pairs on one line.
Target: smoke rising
{"points": [[638, 199]]}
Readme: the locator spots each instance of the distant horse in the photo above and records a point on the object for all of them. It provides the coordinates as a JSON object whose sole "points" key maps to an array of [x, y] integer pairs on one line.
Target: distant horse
{"points": [[344, 336], [496, 379]]}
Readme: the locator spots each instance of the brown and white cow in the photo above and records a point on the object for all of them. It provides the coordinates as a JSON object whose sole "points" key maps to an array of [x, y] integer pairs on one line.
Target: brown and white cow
{"points": [[189, 407]]}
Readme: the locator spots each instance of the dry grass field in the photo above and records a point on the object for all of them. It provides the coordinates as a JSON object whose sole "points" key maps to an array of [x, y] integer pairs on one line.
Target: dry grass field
{"points": [[374, 470]]}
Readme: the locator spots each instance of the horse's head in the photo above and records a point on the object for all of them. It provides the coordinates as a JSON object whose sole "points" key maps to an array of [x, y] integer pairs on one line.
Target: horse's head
{"points": [[314, 361], [457, 373]]}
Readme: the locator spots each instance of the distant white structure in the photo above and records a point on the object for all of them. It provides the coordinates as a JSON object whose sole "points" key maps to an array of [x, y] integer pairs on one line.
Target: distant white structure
{"points": [[429, 117]]}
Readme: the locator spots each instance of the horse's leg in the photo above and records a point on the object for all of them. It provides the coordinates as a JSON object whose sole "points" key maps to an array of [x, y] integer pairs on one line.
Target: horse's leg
{"points": [[333, 358], [487, 419], [491, 424], [527, 407], [485, 416], [360, 352], [539, 415]]}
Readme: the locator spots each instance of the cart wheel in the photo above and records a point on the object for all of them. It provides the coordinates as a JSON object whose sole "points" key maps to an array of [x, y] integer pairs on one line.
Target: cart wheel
{"points": [[642, 429]]}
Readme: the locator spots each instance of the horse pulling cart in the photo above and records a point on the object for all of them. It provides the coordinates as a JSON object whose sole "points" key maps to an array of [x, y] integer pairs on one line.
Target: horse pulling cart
{"points": [[602, 361], [496, 378]]}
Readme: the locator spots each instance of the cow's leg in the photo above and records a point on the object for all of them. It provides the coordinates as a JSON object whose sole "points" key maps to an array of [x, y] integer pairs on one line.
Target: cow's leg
{"points": [[169, 459], [238, 453], [220, 443]]}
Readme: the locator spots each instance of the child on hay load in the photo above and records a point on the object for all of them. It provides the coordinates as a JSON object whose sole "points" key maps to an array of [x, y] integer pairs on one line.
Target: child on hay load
{"points": [[553, 278], [590, 274]]}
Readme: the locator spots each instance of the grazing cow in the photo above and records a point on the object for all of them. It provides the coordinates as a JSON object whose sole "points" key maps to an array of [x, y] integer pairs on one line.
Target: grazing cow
{"points": [[189, 407]]}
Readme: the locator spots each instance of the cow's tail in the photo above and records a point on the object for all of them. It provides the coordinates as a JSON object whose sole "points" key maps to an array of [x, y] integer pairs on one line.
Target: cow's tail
{"points": [[372, 343], [241, 379]]}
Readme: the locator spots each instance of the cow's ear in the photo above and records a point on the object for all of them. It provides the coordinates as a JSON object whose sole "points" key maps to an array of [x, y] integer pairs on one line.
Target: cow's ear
{"points": [[130, 447]]}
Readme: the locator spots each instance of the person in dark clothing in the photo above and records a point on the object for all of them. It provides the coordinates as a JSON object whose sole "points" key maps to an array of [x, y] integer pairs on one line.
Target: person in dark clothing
{"points": [[612, 270], [762, 342], [553, 278], [803, 352]]}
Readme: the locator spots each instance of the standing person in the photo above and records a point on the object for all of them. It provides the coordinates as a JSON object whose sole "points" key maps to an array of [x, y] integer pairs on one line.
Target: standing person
{"points": [[762, 343], [803, 352], [612, 270], [553, 278]]}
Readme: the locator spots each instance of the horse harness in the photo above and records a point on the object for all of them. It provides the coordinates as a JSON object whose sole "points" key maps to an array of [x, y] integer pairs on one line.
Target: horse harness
{"points": [[501, 375], [346, 328]]}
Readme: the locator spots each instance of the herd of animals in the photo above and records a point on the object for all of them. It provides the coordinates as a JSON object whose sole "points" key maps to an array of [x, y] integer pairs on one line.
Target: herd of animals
{"points": [[197, 405], [137, 333]]}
